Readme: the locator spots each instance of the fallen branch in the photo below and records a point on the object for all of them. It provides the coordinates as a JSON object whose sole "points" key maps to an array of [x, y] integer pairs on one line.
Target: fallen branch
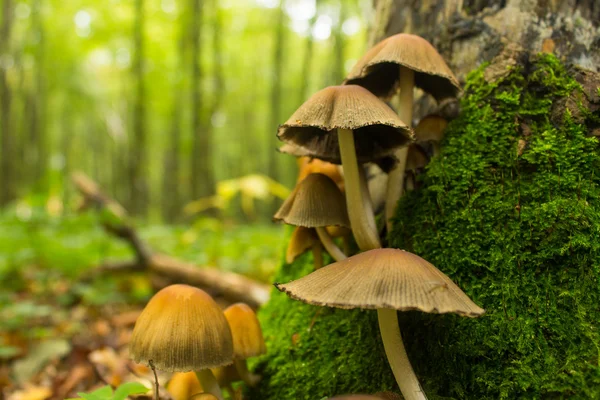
{"points": [[232, 286]]}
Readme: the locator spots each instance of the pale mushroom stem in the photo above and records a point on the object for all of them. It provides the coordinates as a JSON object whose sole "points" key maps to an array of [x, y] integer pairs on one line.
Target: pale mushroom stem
{"points": [[317, 251], [396, 355], [248, 377], [360, 211], [209, 383], [396, 175], [329, 244]]}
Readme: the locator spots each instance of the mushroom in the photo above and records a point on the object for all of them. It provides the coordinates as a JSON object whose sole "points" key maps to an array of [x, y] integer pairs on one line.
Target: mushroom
{"points": [[301, 240], [350, 124], [183, 385], [248, 339], [316, 202], [417, 159], [387, 280], [431, 129], [183, 329], [203, 396], [408, 60]]}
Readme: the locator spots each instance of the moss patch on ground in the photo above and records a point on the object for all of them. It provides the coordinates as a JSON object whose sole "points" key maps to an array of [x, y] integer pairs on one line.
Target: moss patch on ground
{"points": [[511, 212]]}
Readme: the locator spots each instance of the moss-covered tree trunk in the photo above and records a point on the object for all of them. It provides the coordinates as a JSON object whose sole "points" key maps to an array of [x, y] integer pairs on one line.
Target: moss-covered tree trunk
{"points": [[510, 210]]}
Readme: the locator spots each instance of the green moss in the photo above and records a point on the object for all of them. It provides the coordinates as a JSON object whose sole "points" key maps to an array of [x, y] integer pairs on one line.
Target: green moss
{"points": [[511, 211], [520, 233]]}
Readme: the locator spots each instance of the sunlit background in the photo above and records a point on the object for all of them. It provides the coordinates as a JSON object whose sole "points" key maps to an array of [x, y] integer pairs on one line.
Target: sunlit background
{"points": [[160, 100]]}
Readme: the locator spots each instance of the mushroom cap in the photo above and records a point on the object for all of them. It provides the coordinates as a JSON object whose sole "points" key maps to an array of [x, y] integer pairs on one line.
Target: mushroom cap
{"points": [[431, 127], [382, 278], [301, 240], [203, 396], [417, 158], [226, 374], [378, 130], [313, 165], [182, 385], [182, 329], [247, 335], [315, 202], [379, 69]]}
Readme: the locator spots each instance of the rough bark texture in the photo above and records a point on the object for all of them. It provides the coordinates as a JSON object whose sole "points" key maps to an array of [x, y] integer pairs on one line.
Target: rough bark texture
{"points": [[509, 210]]}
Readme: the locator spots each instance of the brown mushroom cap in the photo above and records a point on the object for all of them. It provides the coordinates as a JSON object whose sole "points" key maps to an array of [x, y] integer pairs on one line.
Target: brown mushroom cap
{"points": [[377, 128], [182, 385], [182, 329], [382, 278], [431, 127], [378, 70], [302, 240], [417, 158], [315, 202], [248, 339]]}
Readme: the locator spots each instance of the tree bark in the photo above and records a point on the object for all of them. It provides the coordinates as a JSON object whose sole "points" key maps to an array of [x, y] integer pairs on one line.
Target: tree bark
{"points": [[6, 167], [468, 33], [137, 155], [38, 140], [201, 174], [276, 87]]}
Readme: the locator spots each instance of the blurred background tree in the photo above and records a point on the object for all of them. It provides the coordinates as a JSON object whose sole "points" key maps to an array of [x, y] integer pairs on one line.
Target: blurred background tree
{"points": [[158, 100]]}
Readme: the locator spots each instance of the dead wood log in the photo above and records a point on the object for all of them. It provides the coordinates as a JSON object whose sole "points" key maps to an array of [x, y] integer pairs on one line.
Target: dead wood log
{"points": [[232, 286]]}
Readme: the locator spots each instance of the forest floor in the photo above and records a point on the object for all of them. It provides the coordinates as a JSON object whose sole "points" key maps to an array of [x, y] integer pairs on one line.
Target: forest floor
{"points": [[61, 334]]}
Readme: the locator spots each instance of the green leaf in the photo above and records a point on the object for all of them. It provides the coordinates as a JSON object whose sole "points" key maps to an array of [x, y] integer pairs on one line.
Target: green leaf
{"points": [[104, 393], [129, 388]]}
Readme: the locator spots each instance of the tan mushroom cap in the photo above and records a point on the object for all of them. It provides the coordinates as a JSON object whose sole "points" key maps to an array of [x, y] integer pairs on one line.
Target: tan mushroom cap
{"points": [[382, 278], [431, 128], [417, 158], [377, 128], [302, 240], [248, 339], [378, 70], [315, 202], [182, 385], [182, 329]]}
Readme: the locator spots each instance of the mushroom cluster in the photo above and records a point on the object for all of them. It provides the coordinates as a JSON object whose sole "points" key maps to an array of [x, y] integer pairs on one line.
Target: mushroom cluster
{"points": [[183, 329], [351, 125]]}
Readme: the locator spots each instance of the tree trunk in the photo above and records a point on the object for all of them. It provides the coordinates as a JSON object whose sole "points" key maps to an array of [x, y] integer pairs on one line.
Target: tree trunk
{"points": [[138, 168], [6, 167], [308, 56], [201, 174], [468, 33], [39, 141], [339, 73], [276, 87]]}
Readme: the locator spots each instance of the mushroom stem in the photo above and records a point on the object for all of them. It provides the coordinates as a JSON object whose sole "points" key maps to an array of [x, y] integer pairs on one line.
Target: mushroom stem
{"points": [[317, 251], [396, 355], [329, 244], [360, 211], [209, 383], [396, 175], [436, 148], [248, 377]]}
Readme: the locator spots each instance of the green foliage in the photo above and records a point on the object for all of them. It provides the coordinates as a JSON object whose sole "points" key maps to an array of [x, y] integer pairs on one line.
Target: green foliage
{"points": [[518, 231], [121, 393], [316, 351], [511, 212]]}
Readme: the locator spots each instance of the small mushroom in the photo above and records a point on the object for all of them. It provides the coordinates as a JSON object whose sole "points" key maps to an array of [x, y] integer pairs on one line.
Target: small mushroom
{"points": [[407, 61], [183, 385], [431, 129], [301, 240], [248, 339], [183, 329], [388, 280], [417, 159], [316, 202], [350, 124]]}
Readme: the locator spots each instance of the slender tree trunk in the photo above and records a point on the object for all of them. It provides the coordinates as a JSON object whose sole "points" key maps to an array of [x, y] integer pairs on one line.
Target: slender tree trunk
{"points": [[7, 192], [171, 193], [339, 72], [201, 174], [138, 167], [39, 141], [308, 56], [275, 120]]}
